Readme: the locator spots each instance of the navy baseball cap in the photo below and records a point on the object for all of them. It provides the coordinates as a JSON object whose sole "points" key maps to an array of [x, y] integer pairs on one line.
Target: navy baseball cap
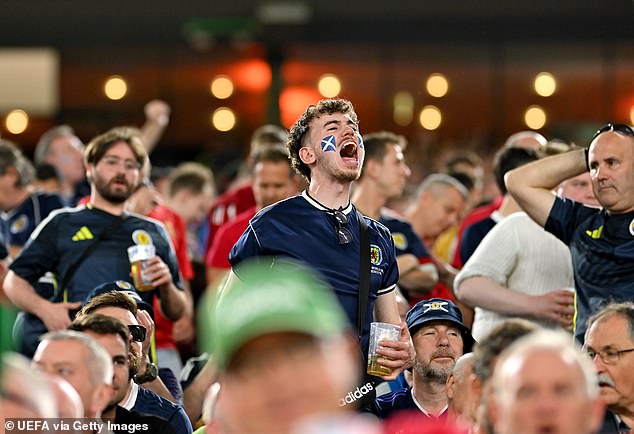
{"points": [[121, 286], [438, 309]]}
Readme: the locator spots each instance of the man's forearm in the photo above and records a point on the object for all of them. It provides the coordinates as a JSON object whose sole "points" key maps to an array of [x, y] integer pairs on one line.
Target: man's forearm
{"points": [[531, 185], [481, 291], [548, 172], [22, 294]]}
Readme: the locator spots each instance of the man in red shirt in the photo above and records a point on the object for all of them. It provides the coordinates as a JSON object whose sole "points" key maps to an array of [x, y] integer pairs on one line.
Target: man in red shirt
{"points": [[272, 182], [239, 196]]}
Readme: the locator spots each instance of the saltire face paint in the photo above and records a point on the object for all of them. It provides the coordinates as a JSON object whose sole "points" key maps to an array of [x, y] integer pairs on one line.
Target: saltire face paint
{"points": [[329, 144], [360, 137]]}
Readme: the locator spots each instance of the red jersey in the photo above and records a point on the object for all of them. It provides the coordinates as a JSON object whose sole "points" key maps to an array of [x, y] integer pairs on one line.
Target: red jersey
{"points": [[178, 234], [474, 216], [225, 208], [227, 235]]}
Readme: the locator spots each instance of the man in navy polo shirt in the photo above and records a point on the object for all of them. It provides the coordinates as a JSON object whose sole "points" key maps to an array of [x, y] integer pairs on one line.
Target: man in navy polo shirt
{"points": [[320, 227], [601, 241], [440, 338]]}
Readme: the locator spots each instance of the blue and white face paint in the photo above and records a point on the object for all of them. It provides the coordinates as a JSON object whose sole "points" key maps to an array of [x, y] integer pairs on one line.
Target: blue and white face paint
{"points": [[329, 144], [360, 137]]}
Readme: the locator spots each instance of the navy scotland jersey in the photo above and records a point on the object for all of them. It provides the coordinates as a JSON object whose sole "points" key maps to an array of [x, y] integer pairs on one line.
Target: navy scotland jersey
{"points": [[602, 250], [18, 223], [405, 239], [62, 238], [300, 228]]}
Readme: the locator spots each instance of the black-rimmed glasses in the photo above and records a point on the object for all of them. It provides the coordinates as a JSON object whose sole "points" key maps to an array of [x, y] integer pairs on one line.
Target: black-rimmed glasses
{"points": [[344, 236], [609, 357], [137, 332], [619, 128]]}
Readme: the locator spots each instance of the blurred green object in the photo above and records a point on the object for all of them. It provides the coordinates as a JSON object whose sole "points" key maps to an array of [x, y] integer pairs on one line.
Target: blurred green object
{"points": [[270, 297], [7, 318]]}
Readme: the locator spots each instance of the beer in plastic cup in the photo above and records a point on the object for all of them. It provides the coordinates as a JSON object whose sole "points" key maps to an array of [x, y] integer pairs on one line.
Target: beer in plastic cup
{"points": [[380, 331], [139, 255]]}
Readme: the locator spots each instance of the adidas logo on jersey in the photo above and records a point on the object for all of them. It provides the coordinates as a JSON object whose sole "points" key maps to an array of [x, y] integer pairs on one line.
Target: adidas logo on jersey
{"points": [[83, 234]]}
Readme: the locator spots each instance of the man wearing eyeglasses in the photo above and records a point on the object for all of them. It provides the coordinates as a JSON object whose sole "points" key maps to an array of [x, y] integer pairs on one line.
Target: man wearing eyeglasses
{"points": [[321, 228], [601, 241], [610, 344], [86, 246]]}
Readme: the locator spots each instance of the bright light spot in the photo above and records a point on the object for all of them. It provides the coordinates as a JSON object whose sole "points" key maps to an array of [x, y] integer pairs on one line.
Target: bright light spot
{"points": [[403, 108], [545, 84], [17, 121], [535, 117], [430, 117], [632, 115], [329, 85], [221, 87], [437, 85], [223, 119], [115, 87]]}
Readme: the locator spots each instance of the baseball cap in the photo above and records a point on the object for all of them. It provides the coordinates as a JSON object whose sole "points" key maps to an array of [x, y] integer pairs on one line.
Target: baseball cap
{"points": [[121, 286], [438, 309], [284, 297]]}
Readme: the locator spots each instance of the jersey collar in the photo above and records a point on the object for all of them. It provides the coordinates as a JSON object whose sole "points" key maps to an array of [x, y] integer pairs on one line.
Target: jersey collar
{"points": [[314, 202]]}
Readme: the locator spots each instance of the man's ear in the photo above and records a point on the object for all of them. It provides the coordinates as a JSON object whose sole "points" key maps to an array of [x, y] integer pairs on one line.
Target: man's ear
{"points": [[88, 168], [450, 386], [372, 168], [307, 155]]}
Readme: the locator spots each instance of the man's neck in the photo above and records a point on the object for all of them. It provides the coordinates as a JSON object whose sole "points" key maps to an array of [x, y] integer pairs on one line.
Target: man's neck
{"points": [[430, 394], [20, 195], [367, 201], [105, 205], [332, 195], [417, 220]]}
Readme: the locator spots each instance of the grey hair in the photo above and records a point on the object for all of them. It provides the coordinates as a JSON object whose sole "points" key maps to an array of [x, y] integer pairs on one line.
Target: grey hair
{"points": [[44, 144], [99, 362], [433, 181], [17, 370], [11, 156], [552, 341]]}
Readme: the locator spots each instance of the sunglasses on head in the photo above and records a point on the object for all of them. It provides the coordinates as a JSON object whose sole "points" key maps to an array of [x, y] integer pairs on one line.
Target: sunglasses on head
{"points": [[137, 332], [619, 128], [344, 236]]}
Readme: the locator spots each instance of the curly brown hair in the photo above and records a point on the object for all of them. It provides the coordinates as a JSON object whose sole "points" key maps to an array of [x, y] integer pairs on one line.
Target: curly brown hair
{"points": [[300, 127]]}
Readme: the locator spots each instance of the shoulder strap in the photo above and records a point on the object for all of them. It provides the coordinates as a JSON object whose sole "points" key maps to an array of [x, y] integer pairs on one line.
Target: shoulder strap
{"points": [[109, 230], [364, 273]]}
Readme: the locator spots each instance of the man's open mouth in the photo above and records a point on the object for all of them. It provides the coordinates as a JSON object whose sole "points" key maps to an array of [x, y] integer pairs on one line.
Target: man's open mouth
{"points": [[348, 150]]}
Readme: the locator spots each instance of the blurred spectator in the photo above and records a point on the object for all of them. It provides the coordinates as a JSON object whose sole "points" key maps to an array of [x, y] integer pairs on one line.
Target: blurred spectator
{"points": [[22, 208], [62, 149], [82, 362], [239, 197], [272, 182], [523, 139], [383, 178], [24, 392], [281, 344], [47, 179], [544, 384], [461, 408], [485, 354]]}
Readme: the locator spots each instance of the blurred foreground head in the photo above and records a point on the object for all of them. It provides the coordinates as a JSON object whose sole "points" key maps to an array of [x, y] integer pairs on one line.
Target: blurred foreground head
{"points": [[279, 338]]}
